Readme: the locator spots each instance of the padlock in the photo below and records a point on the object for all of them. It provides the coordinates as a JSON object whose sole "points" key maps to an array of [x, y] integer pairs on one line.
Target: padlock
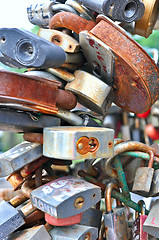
{"points": [[100, 59], [122, 11], [151, 224], [68, 43], [14, 121], [145, 25], [136, 132], [68, 221], [11, 218], [23, 49], [40, 13], [137, 228], [19, 156], [143, 178], [39, 101], [15, 179], [125, 128], [152, 131], [70, 193], [78, 142], [74, 232], [34, 233], [116, 224], [91, 217], [97, 98], [128, 68], [155, 184]]}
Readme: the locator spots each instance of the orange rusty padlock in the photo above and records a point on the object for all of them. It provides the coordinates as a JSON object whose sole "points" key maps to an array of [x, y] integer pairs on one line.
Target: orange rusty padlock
{"points": [[135, 76]]}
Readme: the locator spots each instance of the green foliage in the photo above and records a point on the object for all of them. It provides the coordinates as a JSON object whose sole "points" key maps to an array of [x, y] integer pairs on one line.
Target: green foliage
{"points": [[151, 42]]}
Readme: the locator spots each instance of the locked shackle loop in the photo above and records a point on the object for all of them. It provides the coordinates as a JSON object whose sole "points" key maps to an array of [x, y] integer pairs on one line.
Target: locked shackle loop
{"points": [[108, 197], [151, 161], [143, 208]]}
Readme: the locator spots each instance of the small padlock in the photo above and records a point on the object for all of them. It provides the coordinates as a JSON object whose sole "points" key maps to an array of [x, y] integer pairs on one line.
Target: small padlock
{"points": [[143, 178], [74, 232], [97, 98], [78, 142], [137, 228], [151, 224], [65, 197], [116, 224]]}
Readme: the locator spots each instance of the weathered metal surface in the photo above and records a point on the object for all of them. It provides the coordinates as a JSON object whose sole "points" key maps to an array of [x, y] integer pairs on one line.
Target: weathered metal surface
{"points": [[100, 58], [76, 58], [70, 21], [19, 156], [28, 169], [145, 25], [33, 137], [75, 232], [70, 117], [93, 98], [66, 99], [62, 143], [136, 76], [14, 121], [15, 179], [125, 147], [62, 73], [18, 200], [68, 43], [155, 184], [34, 233], [34, 217], [62, 197]]}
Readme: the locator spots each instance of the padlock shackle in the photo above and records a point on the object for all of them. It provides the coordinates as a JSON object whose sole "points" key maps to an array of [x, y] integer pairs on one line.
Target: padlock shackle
{"points": [[108, 192], [122, 148], [70, 21], [17, 200], [143, 208], [151, 161]]}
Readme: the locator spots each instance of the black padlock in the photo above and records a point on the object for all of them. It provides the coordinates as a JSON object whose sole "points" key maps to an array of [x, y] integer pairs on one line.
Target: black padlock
{"points": [[24, 49]]}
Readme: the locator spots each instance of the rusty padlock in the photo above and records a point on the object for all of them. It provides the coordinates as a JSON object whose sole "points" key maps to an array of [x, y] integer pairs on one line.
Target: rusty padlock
{"points": [[136, 76]]}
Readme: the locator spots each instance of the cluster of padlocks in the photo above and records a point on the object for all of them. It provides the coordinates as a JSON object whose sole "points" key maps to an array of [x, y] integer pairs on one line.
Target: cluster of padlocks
{"points": [[70, 168]]}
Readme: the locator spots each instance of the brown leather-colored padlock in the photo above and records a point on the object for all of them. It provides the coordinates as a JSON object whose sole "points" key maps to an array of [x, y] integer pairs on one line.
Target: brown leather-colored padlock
{"points": [[135, 76]]}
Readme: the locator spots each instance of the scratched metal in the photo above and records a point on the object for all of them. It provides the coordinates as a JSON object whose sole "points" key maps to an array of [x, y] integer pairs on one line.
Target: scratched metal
{"points": [[93, 97], [74, 232], [66, 142], [136, 76], [57, 198], [19, 156], [100, 58], [155, 184], [151, 224]]}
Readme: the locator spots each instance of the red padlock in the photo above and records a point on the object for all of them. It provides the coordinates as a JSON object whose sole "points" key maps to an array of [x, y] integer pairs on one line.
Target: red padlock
{"points": [[144, 115], [63, 221], [152, 132]]}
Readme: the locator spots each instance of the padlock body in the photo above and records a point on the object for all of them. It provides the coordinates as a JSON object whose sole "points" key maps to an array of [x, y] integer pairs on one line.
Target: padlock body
{"points": [[151, 224], [74, 142], [91, 217], [143, 181], [155, 184], [137, 228], [65, 197], [116, 227]]}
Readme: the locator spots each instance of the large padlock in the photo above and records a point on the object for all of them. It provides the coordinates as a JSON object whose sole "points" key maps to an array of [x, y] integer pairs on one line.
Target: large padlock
{"points": [[123, 11], [137, 228], [13, 121], [142, 90], [19, 156], [23, 49], [65, 197], [97, 98], [151, 224], [143, 178], [116, 224], [16, 90], [78, 142], [74, 232]]}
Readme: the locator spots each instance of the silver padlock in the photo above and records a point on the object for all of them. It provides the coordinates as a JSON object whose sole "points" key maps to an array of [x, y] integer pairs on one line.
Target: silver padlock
{"points": [[74, 232], [90, 91], [91, 217], [116, 224], [99, 57], [151, 224], [78, 142], [19, 156], [143, 178], [155, 184]]}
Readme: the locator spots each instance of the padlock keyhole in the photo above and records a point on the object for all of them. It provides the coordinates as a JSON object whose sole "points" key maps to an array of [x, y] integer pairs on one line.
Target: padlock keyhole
{"points": [[92, 143]]}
